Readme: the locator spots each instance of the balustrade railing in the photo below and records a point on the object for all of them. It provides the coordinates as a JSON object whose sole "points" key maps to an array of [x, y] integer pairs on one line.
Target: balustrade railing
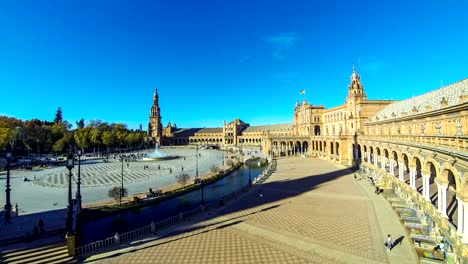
{"points": [[447, 143], [444, 226]]}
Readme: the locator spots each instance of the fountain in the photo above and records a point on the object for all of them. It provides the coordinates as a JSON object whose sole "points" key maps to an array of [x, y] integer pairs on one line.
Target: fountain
{"points": [[158, 155]]}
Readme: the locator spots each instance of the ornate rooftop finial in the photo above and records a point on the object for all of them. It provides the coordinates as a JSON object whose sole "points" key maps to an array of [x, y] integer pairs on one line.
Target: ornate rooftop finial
{"points": [[354, 76]]}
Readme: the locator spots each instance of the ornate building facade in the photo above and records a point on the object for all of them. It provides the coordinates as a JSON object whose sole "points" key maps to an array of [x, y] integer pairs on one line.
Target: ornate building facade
{"points": [[416, 147]]}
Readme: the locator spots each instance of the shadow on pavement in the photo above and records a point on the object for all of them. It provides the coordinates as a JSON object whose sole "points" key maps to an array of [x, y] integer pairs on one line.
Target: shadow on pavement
{"points": [[272, 192]]}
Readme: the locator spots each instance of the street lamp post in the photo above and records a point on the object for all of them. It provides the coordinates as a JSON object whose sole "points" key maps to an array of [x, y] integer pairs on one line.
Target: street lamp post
{"points": [[70, 165], [250, 179], [122, 178], [8, 203], [196, 169], [202, 193], [78, 184]]}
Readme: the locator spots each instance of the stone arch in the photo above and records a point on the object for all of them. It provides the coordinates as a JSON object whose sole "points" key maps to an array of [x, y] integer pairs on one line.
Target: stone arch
{"points": [[331, 148], [418, 163], [317, 130], [444, 176], [431, 169], [337, 147], [406, 164], [283, 147], [448, 176], [305, 147], [394, 156], [358, 152], [371, 151], [429, 162]]}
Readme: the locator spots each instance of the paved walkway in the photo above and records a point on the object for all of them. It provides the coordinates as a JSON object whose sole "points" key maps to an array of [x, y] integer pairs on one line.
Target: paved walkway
{"points": [[309, 211]]}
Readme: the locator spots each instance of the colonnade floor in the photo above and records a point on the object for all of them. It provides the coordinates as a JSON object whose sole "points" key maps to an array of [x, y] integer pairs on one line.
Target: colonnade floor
{"points": [[308, 211]]}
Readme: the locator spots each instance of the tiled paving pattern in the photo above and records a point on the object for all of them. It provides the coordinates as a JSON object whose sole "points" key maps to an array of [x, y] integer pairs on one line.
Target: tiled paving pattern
{"points": [[322, 216]]}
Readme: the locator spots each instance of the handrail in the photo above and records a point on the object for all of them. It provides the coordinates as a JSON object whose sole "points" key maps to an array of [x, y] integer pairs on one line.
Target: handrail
{"points": [[153, 227]]}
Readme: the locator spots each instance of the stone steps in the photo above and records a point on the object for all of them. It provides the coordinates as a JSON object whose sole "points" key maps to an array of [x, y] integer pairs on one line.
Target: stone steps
{"points": [[53, 253]]}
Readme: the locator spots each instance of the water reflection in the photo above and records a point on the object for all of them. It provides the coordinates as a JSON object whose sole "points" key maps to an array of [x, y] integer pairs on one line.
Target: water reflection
{"points": [[98, 229]]}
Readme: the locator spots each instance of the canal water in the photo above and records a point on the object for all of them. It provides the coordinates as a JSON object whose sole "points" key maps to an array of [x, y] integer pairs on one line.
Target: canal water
{"points": [[98, 229]]}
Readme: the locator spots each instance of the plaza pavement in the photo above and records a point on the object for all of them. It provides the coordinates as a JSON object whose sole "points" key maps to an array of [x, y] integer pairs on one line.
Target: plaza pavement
{"points": [[309, 211]]}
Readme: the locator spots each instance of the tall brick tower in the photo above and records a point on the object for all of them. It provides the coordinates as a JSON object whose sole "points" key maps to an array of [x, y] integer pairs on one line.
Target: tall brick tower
{"points": [[154, 125]]}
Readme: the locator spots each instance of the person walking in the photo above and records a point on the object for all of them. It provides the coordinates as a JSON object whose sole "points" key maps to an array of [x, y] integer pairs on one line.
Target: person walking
{"points": [[389, 243]]}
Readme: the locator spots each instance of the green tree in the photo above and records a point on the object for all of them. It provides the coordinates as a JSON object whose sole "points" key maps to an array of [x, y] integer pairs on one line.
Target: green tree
{"points": [[80, 123], [120, 132], [82, 137], [182, 179], [214, 169], [117, 193], [58, 116], [108, 139], [64, 143], [95, 138], [5, 133]]}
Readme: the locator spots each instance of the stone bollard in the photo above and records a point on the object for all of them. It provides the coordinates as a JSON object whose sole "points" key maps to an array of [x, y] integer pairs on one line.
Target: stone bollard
{"points": [[153, 227], [117, 238], [70, 245]]}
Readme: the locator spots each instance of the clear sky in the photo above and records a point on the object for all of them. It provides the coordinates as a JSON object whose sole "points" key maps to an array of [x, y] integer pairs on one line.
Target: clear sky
{"points": [[218, 60]]}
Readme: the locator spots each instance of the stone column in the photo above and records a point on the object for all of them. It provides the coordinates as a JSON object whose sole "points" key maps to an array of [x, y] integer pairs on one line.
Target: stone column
{"points": [[413, 178], [392, 167], [383, 160], [400, 171], [368, 158], [375, 160], [425, 193], [465, 223], [444, 200], [460, 208]]}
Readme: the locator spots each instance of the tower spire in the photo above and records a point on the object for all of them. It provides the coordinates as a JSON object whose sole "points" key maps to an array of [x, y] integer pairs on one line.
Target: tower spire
{"points": [[154, 125], [355, 87]]}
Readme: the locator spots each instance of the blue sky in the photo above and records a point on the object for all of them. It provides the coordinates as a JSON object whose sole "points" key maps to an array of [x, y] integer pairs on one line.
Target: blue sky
{"points": [[218, 60]]}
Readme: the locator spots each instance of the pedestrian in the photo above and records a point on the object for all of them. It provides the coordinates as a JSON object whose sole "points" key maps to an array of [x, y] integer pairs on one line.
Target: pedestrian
{"points": [[388, 243], [35, 231], [40, 224], [16, 209], [441, 248]]}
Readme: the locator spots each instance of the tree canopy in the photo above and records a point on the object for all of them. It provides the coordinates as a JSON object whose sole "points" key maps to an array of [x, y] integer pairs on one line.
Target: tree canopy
{"points": [[58, 137]]}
